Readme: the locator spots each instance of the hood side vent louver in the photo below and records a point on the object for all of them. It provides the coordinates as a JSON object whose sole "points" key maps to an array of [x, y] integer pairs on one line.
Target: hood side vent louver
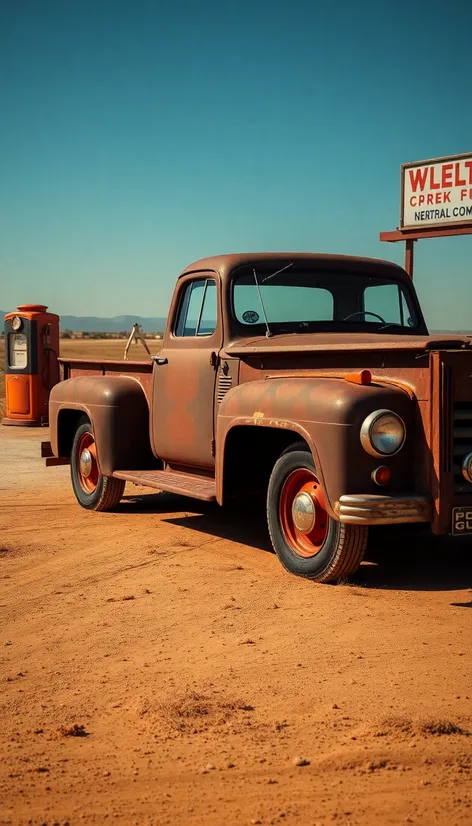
{"points": [[225, 383]]}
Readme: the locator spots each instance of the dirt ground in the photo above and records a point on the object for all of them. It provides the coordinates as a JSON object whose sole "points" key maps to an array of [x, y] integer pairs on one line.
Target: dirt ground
{"points": [[158, 666]]}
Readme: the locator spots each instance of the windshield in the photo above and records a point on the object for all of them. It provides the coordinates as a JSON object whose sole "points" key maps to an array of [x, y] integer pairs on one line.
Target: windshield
{"points": [[303, 299]]}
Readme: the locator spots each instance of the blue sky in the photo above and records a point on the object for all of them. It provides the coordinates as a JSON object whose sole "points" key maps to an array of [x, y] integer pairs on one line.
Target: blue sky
{"points": [[138, 136]]}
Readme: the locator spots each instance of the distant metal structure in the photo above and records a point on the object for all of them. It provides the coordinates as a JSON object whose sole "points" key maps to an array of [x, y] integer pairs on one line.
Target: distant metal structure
{"points": [[436, 202], [136, 335]]}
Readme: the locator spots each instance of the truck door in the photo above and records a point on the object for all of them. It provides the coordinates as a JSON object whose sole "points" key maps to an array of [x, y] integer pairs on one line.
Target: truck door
{"points": [[184, 375]]}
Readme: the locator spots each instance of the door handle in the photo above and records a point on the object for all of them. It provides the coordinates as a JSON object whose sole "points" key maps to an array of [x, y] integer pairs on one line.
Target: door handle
{"points": [[159, 360]]}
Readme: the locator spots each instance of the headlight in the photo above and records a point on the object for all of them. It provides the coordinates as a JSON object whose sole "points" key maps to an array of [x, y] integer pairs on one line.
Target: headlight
{"points": [[467, 467], [383, 433]]}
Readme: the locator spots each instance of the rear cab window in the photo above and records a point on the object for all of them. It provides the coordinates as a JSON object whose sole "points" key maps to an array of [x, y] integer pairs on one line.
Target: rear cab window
{"points": [[282, 304], [303, 298]]}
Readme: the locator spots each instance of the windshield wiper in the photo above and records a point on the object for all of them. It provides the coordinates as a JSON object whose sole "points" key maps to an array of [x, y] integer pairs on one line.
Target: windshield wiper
{"points": [[390, 324], [272, 275], [268, 330]]}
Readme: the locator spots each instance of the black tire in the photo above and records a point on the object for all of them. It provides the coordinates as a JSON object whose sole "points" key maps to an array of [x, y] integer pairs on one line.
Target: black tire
{"points": [[108, 490], [343, 548]]}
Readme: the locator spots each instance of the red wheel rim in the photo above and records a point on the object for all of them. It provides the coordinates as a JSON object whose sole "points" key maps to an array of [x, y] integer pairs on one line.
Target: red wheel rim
{"points": [[302, 512], [87, 463]]}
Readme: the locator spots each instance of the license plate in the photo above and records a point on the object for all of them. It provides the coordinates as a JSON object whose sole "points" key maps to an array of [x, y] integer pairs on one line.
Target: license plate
{"points": [[461, 521]]}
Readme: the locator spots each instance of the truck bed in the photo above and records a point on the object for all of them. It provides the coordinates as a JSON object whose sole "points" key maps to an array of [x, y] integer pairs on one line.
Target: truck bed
{"points": [[140, 370]]}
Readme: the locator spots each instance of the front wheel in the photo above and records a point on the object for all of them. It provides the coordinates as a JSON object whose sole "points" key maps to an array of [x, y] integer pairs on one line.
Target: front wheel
{"points": [[307, 541], [92, 490]]}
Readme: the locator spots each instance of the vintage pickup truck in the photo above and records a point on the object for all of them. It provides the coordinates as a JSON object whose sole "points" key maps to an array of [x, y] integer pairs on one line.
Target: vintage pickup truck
{"points": [[309, 378]]}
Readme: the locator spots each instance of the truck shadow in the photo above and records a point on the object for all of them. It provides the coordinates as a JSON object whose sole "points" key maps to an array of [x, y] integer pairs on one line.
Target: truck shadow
{"points": [[410, 558], [397, 557], [206, 517]]}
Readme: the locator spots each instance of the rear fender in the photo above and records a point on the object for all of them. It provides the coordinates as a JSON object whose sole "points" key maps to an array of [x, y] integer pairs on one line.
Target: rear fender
{"points": [[118, 412]]}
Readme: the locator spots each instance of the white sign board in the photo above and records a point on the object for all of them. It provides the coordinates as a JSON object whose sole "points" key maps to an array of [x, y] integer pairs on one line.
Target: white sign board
{"points": [[437, 193]]}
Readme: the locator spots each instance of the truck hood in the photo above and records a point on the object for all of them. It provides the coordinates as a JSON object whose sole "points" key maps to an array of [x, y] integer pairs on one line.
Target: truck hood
{"points": [[319, 342]]}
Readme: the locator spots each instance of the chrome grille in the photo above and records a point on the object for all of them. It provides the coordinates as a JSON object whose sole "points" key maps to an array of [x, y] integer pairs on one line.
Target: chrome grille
{"points": [[447, 415], [225, 383], [462, 444]]}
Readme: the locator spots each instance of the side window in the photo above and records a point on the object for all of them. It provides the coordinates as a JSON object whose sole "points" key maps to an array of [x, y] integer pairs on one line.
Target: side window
{"points": [[197, 312], [408, 316], [207, 324]]}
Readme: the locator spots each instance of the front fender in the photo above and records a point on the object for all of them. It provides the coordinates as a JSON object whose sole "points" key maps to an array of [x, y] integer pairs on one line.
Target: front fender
{"points": [[119, 413], [328, 414]]}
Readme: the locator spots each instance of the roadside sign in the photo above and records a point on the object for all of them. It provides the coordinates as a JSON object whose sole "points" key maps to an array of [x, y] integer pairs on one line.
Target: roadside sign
{"points": [[437, 192]]}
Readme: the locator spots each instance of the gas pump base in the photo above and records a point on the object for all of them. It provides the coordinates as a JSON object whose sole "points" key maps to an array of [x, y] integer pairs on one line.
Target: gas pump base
{"points": [[25, 422]]}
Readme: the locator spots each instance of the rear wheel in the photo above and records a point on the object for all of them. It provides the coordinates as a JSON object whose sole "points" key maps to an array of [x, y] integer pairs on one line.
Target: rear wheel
{"points": [[92, 490], [307, 541]]}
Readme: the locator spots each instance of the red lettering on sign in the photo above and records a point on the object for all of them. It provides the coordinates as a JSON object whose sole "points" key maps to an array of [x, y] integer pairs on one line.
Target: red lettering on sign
{"points": [[457, 180], [463, 194], [420, 200], [468, 165], [429, 198], [418, 178], [432, 182], [413, 200], [447, 175], [446, 198]]}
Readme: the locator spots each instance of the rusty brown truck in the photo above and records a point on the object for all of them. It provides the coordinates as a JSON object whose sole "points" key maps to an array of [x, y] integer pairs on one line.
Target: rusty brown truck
{"points": [[311, 378]]}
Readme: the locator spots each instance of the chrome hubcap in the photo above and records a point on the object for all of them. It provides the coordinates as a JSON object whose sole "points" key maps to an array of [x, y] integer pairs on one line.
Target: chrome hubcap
{"points": [[304, 513], [86, 462]]}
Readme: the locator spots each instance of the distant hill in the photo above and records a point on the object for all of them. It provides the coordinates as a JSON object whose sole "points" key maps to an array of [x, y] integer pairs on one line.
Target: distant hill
{"points": [[451, 332], [94, 324], [117, 324]]}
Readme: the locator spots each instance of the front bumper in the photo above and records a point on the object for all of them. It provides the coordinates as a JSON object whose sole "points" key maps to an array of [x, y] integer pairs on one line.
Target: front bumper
{"points": [[373, 509]]}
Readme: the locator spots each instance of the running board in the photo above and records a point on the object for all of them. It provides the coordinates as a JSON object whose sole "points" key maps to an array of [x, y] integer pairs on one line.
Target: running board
{"points": [[185, 484]]}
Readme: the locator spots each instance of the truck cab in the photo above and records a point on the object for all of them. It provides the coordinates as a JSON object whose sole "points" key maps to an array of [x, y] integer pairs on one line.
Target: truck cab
{"points": [[311, 379]]}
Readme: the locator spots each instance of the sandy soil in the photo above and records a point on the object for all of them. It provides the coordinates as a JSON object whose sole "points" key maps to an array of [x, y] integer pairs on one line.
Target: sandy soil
{"points": [[158, 666]]}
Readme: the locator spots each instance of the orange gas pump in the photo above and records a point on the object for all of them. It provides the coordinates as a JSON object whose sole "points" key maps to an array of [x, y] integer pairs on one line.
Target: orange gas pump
{"points": [[31, 365]]}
